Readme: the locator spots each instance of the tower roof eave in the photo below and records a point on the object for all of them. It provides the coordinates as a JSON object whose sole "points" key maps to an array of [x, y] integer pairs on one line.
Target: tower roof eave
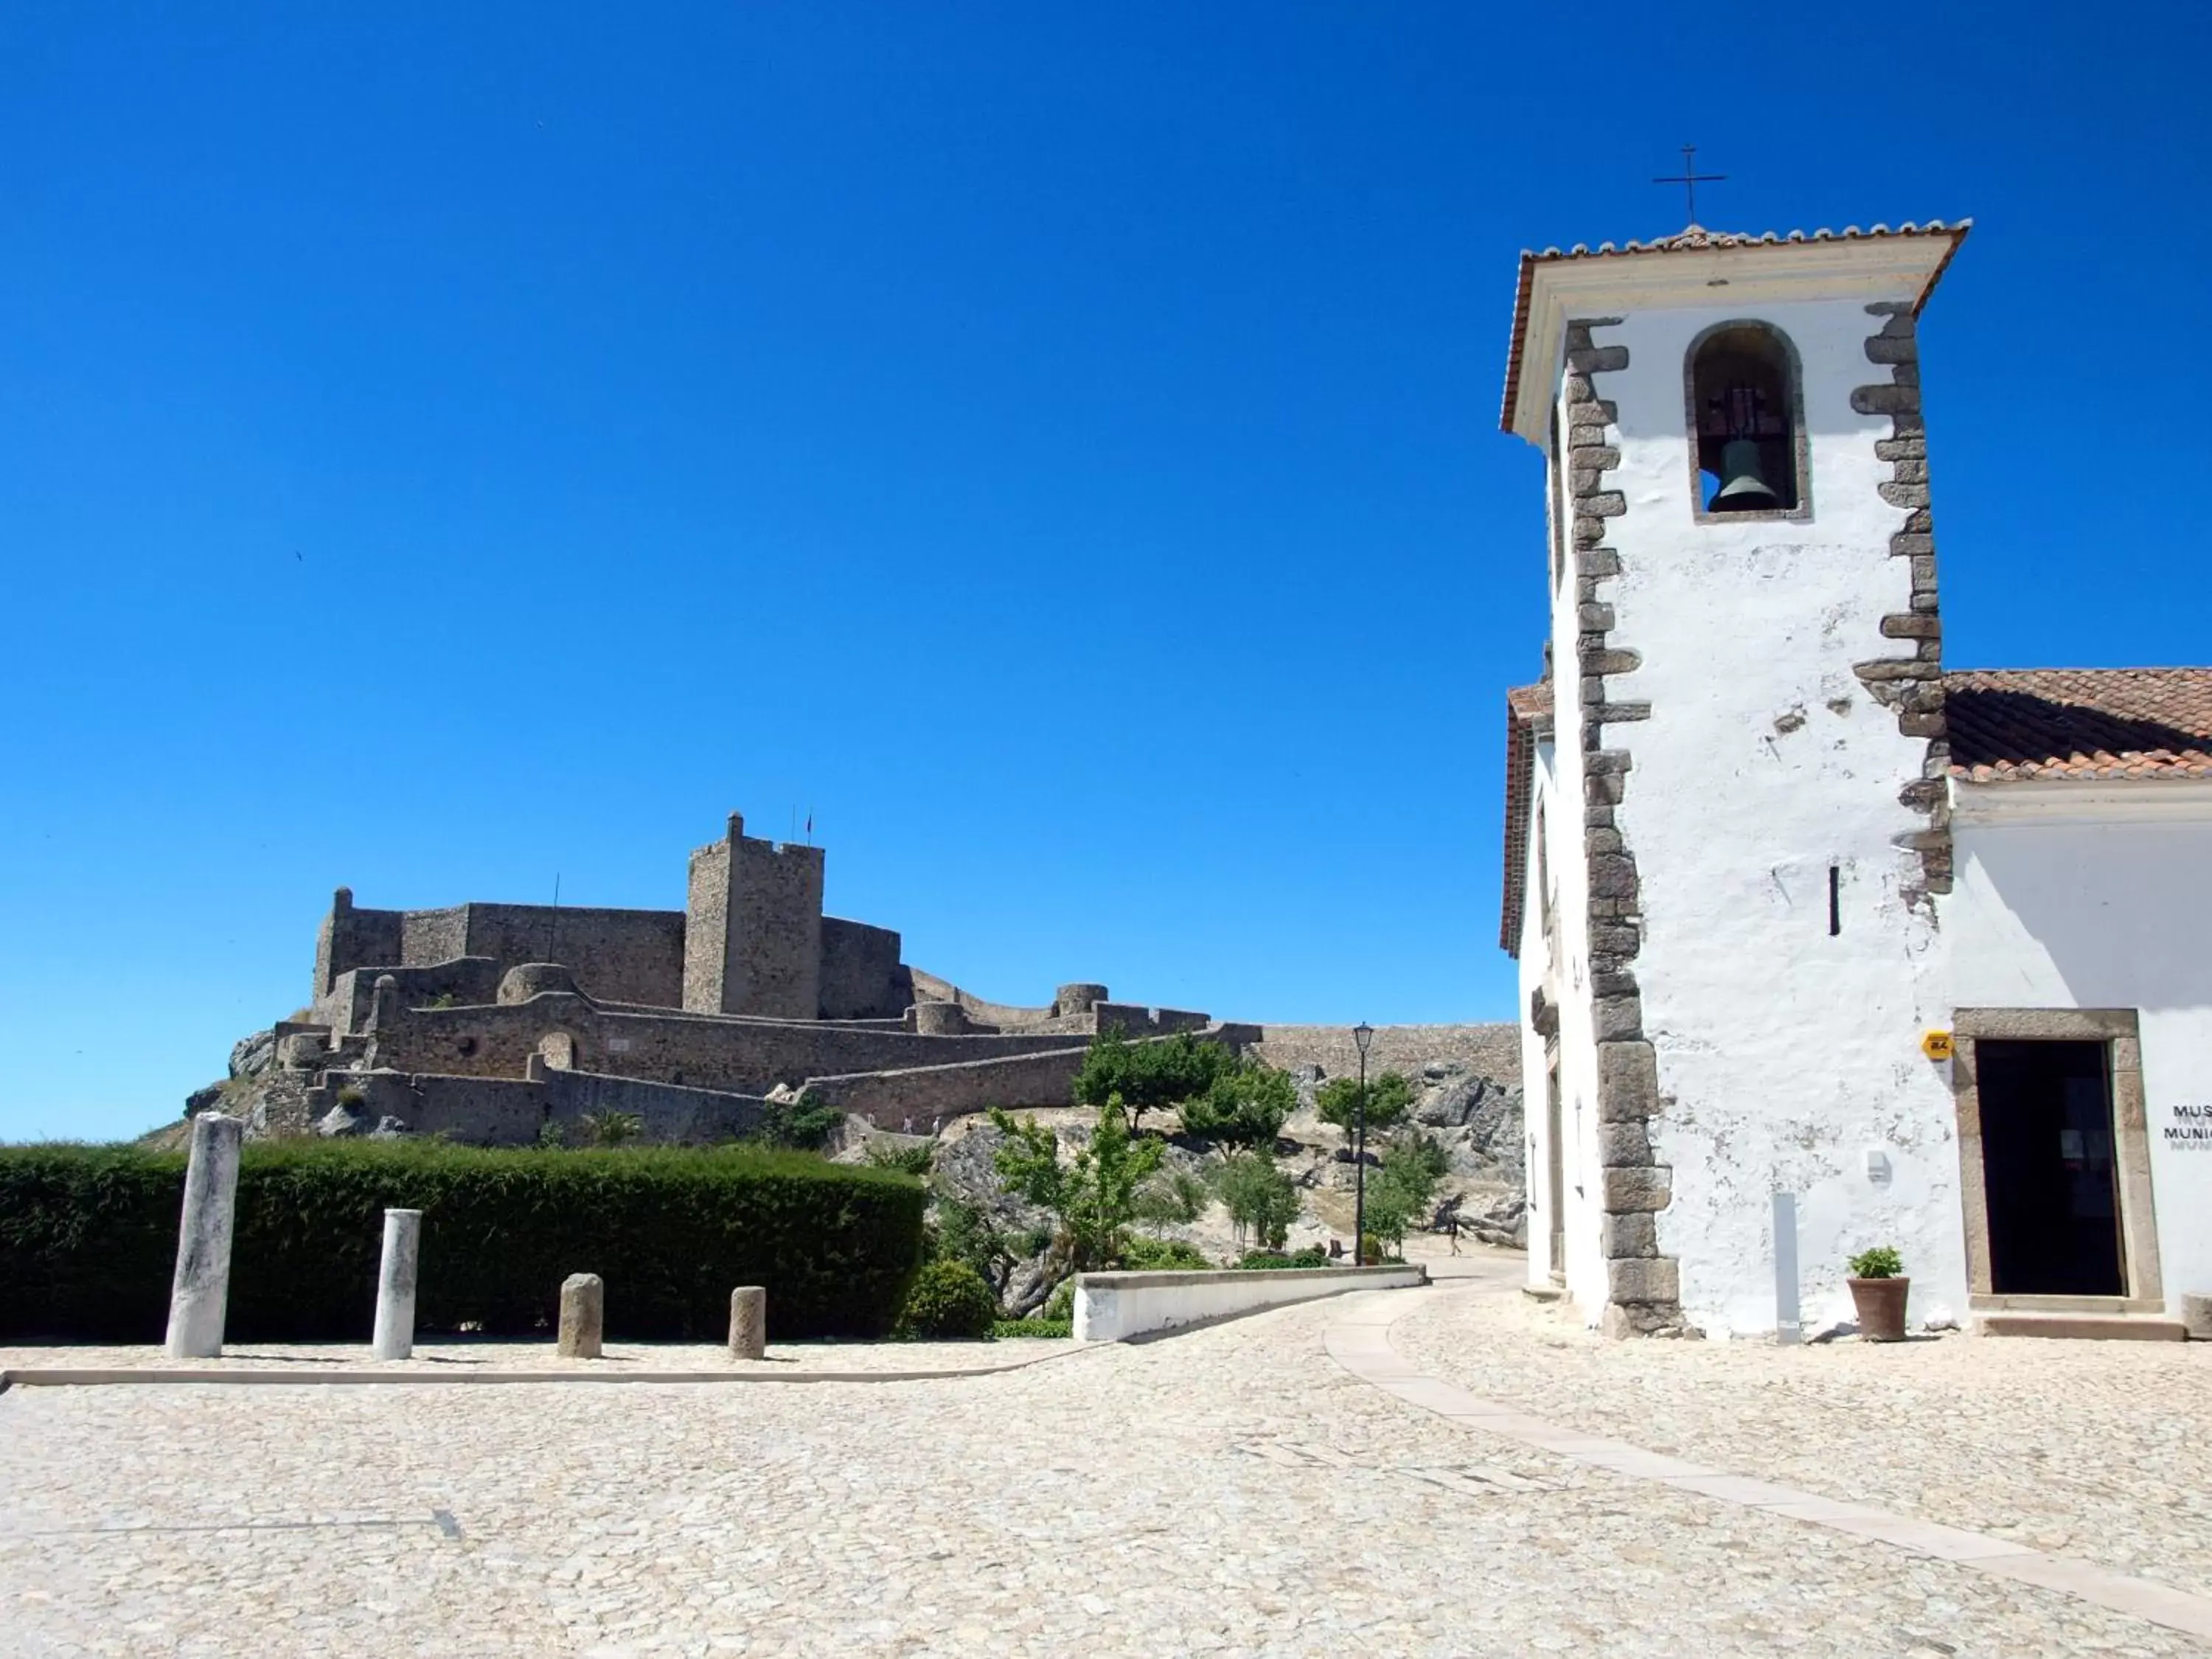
{"points": [[1680, 270]]}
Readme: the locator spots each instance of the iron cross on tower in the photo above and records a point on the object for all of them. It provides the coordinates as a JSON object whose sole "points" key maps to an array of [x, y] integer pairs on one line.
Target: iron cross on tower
{"points": [[1690, 178]]}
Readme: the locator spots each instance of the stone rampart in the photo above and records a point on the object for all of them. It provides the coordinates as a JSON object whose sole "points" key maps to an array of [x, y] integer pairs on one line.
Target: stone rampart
{"points": [[1491, 1050], [484, 1111], [1137, 1021], [344, 1008], [925, 1093], [861, 974], [626, 956], [748, 1056]]}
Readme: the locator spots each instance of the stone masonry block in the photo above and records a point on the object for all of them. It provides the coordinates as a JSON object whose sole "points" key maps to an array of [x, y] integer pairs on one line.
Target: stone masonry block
{"points": [[1628, 1082], [1885, 399], [1915, 627], [1643, 1278], [1598, 360], [1622, 1235], [1617, 1019], [1623, 1146], [1612, 876], [1623, 1191]]}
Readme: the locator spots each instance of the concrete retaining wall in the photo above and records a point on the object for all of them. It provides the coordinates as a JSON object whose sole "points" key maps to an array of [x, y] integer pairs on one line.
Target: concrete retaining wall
{"points": [[1114, 1307]]}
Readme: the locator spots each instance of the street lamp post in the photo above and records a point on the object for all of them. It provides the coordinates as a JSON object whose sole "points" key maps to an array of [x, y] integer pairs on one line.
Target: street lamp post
{"points": [[1362, 1035]]}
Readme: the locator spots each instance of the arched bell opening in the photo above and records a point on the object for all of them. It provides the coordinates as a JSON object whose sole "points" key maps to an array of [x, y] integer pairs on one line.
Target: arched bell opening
{"points": [[1747, 421]]}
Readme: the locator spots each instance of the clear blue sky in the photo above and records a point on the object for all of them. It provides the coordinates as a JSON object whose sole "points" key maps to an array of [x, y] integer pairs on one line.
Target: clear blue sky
{"points": [[1055, 445]]}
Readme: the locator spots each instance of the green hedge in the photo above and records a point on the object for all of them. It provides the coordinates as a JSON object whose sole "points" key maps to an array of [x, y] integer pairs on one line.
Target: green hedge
{"points": [[89, 1239]]}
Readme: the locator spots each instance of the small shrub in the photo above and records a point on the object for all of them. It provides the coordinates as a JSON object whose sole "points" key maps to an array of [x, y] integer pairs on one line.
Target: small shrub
{"points": [[949, 1300], [804, 1124], [1033, 1327], [907, 1160], [1881, 1262], [1174, 1197], [1059, 1307], [349, 1096], [611, 1129], [1141, 1255], [552, 1135], [443, 999], [1312, 1256]]}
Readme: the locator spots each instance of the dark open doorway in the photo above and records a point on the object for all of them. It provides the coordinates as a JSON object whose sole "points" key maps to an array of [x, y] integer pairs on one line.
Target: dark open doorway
{"points": [[2048, 1165]]}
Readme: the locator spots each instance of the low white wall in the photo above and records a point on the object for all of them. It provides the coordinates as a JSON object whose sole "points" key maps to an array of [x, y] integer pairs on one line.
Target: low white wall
{"points": [[1113, 1307]]}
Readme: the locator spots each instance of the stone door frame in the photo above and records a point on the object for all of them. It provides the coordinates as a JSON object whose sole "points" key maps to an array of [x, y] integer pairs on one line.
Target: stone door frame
{"points": [[2119, 1031]]}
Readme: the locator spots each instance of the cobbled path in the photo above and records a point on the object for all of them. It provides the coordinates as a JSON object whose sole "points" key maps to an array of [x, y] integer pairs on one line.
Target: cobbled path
{"points": [[1228, 1490]]}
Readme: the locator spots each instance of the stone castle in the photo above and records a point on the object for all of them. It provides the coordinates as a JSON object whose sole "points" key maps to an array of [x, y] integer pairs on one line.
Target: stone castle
{"points": [[487, 1022]]}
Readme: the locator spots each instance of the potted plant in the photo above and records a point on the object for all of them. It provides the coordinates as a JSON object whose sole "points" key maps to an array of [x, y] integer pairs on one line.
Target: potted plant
{"points": [[1879, 1288]]}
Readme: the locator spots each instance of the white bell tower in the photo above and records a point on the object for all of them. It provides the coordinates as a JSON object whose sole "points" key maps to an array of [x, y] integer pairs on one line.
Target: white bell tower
{"points": [[1740, 815]]}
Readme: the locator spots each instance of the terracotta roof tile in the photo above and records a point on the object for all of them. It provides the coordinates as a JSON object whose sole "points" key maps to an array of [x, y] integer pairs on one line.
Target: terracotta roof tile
{"points": [[2008, 725]]}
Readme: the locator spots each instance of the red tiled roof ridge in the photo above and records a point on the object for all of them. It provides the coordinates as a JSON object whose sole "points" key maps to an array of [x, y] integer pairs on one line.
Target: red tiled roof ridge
{"points": [[1697, 236], [2013, 725]]}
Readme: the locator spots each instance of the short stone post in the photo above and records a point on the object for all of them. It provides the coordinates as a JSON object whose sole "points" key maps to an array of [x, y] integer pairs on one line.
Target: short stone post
{"points": [[583, 1315], [200, 1294], [395, 1286], [2197, 1316], [748, 1322]]}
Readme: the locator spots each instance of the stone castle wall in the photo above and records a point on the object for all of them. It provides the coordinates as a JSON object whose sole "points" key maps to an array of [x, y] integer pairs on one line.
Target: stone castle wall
{"points": [[862, 977], [1492, 1051], [747, 1056], [626, 956], [481, 1111]]}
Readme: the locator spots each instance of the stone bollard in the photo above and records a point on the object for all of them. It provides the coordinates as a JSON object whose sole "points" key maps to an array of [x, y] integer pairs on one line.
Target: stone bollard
{"points": [[395, 1286], [2197, 1317], [583, 1315], [748, 1322], [200, 1294]]}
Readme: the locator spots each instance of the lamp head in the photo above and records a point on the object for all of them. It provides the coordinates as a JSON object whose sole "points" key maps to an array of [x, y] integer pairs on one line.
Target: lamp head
{"points": [[1363, 1034]]}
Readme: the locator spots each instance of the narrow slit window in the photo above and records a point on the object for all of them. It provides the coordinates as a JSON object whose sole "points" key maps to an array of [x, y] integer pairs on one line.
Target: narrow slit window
{"points": [[1746, 422], [1835, 900]]}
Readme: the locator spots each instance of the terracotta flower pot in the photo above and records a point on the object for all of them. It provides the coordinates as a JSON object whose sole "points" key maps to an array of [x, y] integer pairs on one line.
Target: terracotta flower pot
{"points": [[1881, 1303]]}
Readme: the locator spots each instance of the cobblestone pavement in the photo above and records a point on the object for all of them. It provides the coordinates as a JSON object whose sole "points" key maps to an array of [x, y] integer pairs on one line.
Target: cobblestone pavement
{"points": [[1227, 1490], [446, 1358], [2101, 1450]]}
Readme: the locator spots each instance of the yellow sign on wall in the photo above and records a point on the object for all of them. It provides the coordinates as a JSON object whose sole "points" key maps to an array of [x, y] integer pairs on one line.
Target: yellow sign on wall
{"points": [[1936, 1045]]}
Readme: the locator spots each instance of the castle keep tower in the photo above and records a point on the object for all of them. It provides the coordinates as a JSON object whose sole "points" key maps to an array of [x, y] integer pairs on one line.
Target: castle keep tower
{"points": [[1728, 817], [752, 928]]}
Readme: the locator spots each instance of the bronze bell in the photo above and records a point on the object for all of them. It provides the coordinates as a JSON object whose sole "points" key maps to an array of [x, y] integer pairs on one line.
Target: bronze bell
{"points": [[1742, 488]]}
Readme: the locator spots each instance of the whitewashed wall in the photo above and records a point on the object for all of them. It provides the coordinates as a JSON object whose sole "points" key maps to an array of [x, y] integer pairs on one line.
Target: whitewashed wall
{"points": [[1113, 1307], [1786, 1055], [2081, 896]]}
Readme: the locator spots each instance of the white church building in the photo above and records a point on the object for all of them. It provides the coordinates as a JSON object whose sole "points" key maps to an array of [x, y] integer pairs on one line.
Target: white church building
{"points": [[1796, 910]]}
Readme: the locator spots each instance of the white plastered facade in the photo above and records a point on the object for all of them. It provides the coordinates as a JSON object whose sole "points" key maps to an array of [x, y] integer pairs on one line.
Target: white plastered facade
{"points": [[1788, 1040], [2098, 894], [1788, 1056]]}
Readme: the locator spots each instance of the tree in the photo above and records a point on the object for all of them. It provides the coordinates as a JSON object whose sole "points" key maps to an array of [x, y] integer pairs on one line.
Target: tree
{"points": [[1389, 1096], [1245, 1105], [1262, 1201], [1401, 1188], [1149, 1076], [1093, 1196]]}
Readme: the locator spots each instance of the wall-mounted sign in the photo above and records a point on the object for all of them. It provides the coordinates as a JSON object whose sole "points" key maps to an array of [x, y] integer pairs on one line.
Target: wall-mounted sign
{"points": [[2191, 1127], [1936, 1045]]}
